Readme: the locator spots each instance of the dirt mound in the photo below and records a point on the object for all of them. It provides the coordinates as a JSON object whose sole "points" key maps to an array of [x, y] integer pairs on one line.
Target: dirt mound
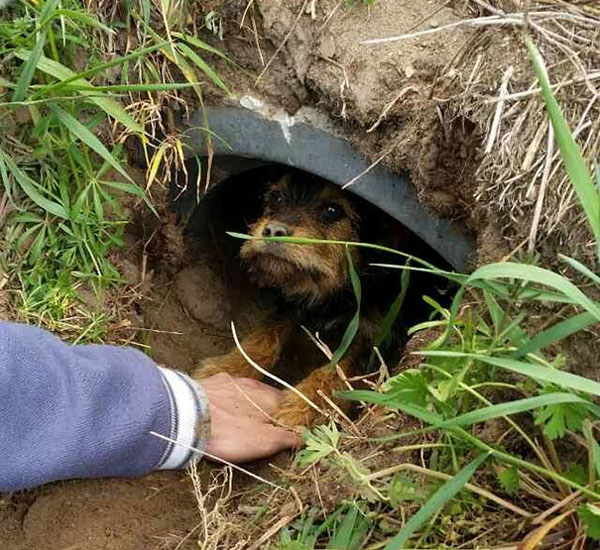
{"points": [[155, 512], [387, 96]]}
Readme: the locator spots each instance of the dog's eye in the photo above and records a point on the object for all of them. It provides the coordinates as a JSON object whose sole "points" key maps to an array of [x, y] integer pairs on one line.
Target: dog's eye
{"points": [[275, 198], [332, 212]]}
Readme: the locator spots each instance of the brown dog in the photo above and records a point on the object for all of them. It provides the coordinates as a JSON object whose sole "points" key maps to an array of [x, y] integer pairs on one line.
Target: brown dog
{"points": [[313, 284]]}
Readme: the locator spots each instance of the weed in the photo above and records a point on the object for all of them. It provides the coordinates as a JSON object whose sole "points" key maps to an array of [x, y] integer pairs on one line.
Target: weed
{"points": [[61, 159], [345, 529]]}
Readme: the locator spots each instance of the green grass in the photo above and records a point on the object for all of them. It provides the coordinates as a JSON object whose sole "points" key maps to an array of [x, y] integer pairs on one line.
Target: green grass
{"points": [[63, 169], [344, 529], [63, 122]]}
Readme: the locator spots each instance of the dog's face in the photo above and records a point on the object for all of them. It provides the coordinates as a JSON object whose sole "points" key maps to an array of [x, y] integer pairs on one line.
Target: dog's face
{"points": [[310, 209]]}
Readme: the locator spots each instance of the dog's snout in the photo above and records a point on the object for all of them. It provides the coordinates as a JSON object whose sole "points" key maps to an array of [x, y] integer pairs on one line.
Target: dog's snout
{"points": [[277, 229]]}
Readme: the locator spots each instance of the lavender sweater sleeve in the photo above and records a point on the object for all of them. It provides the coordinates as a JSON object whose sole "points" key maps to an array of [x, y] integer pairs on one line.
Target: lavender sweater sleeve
{"points": [[87, 411]]}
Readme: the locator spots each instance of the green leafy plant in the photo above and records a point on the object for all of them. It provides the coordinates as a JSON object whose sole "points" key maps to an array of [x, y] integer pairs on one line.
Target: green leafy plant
{"points": [[62, 166], [486, 346], [352, 328], [345, 529], [590, 517]]}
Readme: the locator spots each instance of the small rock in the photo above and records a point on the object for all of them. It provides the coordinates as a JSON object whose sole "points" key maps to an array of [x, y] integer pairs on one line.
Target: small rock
{"points": [[409, 70]]}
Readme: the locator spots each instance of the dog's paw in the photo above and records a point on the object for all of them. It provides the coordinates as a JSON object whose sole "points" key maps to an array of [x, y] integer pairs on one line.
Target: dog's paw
{"points": [[295, 412]]}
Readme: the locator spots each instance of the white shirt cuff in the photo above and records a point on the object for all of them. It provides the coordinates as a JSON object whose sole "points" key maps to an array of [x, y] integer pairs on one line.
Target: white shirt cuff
{"points": [[190, 421]]}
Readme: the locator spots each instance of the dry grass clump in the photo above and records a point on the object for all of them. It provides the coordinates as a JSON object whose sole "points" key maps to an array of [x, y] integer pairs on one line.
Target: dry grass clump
{"points": [[214, 531], [521, 181]]}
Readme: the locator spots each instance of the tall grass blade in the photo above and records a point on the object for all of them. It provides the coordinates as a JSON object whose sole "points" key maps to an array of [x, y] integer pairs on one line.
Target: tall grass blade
{"points": [[593, 452], [30, 187], [437, 501], [146, 9], [579, 175], [583, 269], [392, 314], [84, 134], [530, 370], [78, 16], [499, 288], [74, 77], [530, 273], [186, 69], [556, 333], [352, 328], [203, 66], [377, 398], [473, 417], [108, 105], [29, 68], [300, 240], [512, 407], [31, 64], [161, 87], [200, 44]]}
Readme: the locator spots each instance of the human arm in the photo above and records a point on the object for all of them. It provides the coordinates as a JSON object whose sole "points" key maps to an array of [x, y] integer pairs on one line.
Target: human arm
{"points": [[87, 411]]}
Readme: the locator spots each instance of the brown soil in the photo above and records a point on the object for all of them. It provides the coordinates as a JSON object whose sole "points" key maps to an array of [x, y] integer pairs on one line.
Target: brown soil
{"points": [[154, 512]]}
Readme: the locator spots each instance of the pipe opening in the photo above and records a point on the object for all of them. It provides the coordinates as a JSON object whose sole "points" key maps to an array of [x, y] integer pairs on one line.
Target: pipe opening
{"points": [[317, 301]]}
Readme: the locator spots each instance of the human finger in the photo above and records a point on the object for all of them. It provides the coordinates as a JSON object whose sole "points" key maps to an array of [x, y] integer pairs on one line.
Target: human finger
{"points": [[280, 439]]}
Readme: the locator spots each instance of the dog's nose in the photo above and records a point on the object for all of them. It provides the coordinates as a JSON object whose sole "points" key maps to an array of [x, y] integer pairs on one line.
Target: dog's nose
{"points": [[276, 229]]}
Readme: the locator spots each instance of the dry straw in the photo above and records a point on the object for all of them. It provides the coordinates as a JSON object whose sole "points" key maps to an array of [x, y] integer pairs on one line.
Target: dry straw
{"points": [[521, 179], [521, 182]]}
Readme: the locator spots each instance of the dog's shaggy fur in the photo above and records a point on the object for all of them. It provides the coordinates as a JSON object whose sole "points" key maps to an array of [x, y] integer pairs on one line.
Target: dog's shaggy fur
{"points": [[313, 285]]}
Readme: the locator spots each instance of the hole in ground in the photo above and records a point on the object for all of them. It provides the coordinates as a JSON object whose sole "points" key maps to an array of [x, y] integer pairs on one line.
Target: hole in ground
{"points": [[192, 308]]}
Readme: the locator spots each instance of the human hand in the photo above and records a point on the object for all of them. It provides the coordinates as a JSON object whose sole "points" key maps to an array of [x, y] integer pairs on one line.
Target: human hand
{"points": [[240, 412]]}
